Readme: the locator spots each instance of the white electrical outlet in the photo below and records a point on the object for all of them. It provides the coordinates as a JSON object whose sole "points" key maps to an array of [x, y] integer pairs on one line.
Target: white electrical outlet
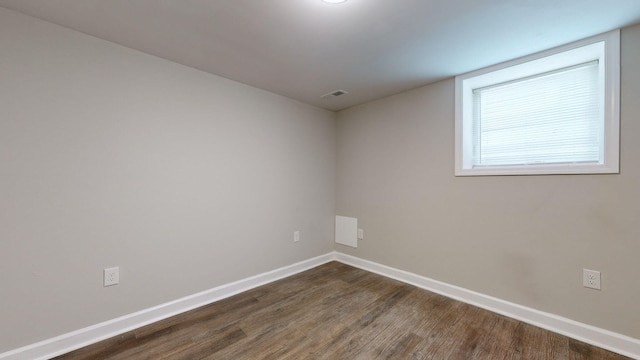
{"points": [[111, 276], [296, 236], [591, 279], [360, 234]]}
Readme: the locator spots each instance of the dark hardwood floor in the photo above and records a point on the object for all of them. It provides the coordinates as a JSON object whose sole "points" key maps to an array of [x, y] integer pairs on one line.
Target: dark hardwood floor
{"points": [[339, 312]]}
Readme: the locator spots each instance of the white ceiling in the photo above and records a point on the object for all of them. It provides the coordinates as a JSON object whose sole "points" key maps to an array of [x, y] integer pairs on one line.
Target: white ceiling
{"points": [[304, 49]]}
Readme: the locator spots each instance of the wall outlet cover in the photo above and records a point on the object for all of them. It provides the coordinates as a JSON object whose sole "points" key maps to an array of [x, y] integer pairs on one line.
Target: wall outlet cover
{"points": [[111, 276], [591, 279]]}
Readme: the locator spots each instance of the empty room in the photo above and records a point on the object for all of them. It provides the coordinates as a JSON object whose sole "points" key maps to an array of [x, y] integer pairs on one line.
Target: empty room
{"points": [[311, 179]]}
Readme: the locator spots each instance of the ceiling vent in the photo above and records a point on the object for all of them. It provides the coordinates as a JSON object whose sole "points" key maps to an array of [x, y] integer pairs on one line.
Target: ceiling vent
{"points": [[334, 94]]}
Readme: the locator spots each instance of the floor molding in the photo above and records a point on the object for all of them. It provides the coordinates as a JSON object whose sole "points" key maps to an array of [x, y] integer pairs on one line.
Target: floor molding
{"points": [[605, 339], [74, 340]]}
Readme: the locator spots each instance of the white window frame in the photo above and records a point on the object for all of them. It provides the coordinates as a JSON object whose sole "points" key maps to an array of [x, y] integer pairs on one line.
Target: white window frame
{"points": [[560, 57]]}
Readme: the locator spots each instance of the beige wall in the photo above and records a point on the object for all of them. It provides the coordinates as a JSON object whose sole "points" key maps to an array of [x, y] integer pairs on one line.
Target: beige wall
{"points": [[110, 157], [524, 239]]}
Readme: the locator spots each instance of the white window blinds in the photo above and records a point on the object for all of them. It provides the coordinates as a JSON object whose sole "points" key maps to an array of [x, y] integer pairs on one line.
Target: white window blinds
{"points": [[550, 118]]}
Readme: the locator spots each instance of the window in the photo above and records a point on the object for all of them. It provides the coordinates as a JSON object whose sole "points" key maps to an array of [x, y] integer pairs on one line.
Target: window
{"points": [[556, 112]]}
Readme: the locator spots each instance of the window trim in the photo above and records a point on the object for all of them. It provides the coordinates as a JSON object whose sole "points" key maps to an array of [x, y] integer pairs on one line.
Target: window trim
{"points": [[464, 85]]}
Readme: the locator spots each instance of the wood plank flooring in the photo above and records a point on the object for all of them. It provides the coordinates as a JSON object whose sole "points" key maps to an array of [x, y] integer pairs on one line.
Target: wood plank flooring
{"points": [[339, 312]]}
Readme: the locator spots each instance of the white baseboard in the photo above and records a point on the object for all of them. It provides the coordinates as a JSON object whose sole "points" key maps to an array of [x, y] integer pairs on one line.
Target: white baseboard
{"points": [[74, 340], [605, 339]]}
